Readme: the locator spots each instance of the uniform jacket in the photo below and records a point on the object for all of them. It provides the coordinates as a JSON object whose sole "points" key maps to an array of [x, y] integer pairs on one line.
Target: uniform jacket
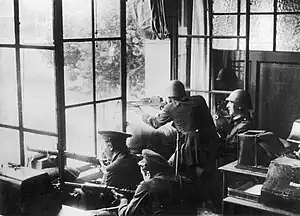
{"points": [[123, 172], [240, 124], [161, 195], [191, 117]]}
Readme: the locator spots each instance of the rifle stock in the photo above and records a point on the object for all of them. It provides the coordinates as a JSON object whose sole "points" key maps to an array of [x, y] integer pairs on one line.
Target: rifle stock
{"points": [[84, 158], [89, 186]]}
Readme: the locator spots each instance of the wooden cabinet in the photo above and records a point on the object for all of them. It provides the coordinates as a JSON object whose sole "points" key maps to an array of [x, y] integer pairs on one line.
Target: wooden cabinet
{"points": [[230, 203]]}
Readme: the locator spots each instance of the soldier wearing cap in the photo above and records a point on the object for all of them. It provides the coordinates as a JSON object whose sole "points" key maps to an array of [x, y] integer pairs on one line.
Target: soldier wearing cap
{"points": [[161, 192], [123, 170]]}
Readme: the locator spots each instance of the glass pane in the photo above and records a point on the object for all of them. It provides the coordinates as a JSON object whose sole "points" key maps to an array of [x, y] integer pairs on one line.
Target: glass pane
{"points": [[199, 71], [225, 25], [261, 31], [108, 65], [109, 116], [7, 22], [78, 72], [227, 6], [258, 6], [199, 16], [10, 147], [288, 36], [77, 18], [8, 88], [36, 22], [80, 130], [39, 103], [288, 5], [107, 18], [182, 59], [37, 141], [153, 85], [229, 44], [228, 69]]}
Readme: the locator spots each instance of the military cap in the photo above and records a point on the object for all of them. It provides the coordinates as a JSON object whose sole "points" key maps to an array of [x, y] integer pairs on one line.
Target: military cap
{"points": [[154, 161], [113, 135]]}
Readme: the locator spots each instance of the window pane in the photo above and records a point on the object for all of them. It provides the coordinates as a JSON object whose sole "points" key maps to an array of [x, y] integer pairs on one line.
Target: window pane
{"points": [[258, 6], [9, 145], [198, 11], [227, 44], [199, 70], [7, 21], [288, 36], [225, 25], [36, 21], [37, 141], [198, 63], [182, 59], [228, 6], [39, 103], [80, 130], [78, 72], [288, 5], [8, 88], [109, 116], [261, 31], [228, 69], [107, 18], [77, 18], [157, 65], [108, 65]]}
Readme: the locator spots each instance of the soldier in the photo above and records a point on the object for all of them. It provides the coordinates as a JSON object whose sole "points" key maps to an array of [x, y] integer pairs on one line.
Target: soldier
{"points": [[161, 192], [123, 170], [239, 106], [197, 133]]}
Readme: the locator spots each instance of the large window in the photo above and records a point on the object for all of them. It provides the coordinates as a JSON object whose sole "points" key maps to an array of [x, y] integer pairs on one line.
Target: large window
{"points": [[216, 37], [65, 77], [27, 98]]}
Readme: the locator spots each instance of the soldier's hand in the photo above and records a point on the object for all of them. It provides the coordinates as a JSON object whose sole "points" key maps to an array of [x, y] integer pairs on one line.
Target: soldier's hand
{"points": [[117, 195]]}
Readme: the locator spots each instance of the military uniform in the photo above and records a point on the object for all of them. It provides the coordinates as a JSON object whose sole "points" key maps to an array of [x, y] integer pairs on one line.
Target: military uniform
{"points": [[240, 124], [192, 119], [123, 171], [163, 194]]}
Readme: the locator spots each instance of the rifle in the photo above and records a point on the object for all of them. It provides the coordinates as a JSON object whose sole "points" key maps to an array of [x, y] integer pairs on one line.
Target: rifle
{"points": [[84, 158], [154, 101], [87, 186]]}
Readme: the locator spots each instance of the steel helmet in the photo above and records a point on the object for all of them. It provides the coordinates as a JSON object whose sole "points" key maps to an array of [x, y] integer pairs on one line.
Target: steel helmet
{"points": [[176, 89], [241, 98]]}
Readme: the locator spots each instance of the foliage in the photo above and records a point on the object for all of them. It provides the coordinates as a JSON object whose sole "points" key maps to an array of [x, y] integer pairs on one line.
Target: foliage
{"points": [[78, 56]]}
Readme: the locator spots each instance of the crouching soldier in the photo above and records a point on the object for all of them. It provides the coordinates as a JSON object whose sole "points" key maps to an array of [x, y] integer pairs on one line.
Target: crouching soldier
{"points": [[122, 172], [161, 192]]}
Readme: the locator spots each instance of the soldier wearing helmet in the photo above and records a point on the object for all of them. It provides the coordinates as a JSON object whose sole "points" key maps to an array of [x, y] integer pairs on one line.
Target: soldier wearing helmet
{"points": [[239, 106], [196, 130]]}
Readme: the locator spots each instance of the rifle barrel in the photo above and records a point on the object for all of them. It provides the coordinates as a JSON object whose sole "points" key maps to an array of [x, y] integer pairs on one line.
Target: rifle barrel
{"points": [[99, 186]]}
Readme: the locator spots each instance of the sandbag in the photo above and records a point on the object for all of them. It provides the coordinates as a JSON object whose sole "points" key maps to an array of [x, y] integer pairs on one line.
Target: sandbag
{"points": [[282, 185]]}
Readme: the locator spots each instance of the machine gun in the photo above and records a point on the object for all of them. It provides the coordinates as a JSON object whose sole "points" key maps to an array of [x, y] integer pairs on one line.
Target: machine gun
{"points": [[84, 158], [88, 186]]}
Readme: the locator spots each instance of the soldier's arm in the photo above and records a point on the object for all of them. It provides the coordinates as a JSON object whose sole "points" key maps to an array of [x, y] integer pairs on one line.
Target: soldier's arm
{"points": [[157, 121], [135, 206]]}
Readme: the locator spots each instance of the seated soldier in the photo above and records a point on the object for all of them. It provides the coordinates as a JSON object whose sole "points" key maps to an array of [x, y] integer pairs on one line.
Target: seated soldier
{"points": [[161, 192], [239, 105], [122, 172]]}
